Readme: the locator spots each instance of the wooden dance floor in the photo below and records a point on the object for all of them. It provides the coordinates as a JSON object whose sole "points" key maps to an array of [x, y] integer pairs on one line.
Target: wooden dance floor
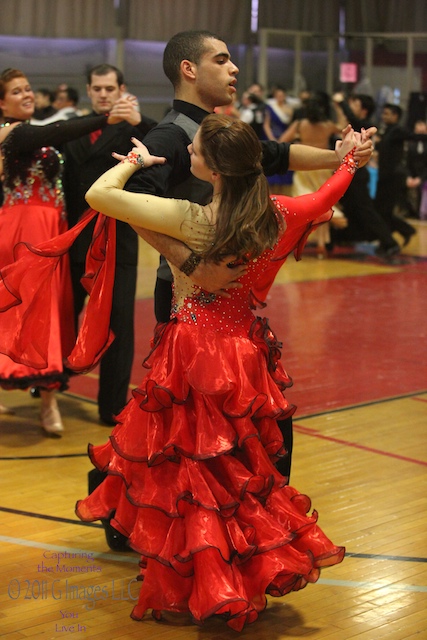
{"points": [[354, 335]]}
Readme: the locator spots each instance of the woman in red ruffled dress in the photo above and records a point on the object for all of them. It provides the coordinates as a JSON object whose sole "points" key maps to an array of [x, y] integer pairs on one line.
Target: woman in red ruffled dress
{"points": [[33, 211], [191, 476]]}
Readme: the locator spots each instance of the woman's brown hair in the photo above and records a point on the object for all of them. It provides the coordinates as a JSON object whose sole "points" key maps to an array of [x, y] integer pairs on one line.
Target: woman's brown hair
{"points": [[246, 223]]}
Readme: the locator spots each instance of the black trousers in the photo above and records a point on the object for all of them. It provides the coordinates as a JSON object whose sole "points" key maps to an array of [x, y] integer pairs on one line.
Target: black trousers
{"points": [[391, 192], [116, 363], [364, 221]]}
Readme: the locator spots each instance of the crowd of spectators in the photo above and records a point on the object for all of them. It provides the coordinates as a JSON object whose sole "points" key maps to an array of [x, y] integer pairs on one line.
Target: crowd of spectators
{"points": [[391, 190]]}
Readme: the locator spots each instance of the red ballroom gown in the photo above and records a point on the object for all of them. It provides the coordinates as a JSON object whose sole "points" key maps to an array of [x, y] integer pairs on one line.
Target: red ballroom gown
{"points": [[33, 212], [191, 477]]}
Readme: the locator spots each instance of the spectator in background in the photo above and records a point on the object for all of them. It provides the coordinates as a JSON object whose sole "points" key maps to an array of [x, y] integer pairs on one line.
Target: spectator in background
{"points": [[315, 129], [278, 115], [364, 221], [391, 189], [43, 102], [65, 103], [229, 109], [67, 99], [416, 164], [300, 110], [252, 109]]}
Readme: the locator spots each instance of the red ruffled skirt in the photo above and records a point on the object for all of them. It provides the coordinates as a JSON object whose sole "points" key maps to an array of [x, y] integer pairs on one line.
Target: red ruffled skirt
{"points": [[37, 223], [191, 479], [36, 312]]}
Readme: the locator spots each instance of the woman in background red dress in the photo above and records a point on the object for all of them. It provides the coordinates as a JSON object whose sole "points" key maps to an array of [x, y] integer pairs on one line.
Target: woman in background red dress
{"points": [[33, 211]]}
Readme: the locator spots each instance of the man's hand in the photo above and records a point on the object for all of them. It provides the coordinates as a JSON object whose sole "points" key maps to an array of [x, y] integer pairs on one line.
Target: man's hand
{"points": [[217, 278], [364, 146], [125, 109], [338, 97]]}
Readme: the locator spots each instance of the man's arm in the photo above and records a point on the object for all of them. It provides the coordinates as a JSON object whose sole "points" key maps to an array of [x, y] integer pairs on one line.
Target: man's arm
{"points": [[175, 251], [305, 158]]}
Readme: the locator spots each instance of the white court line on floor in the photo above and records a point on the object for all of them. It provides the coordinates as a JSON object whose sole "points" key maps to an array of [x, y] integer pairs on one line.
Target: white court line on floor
{"points": [[372, 585], [135, 559]]}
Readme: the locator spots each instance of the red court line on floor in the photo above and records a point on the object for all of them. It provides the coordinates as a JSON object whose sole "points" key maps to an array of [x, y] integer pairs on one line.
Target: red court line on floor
{"points": [[420, 399], [316, 434], [346, 341]]}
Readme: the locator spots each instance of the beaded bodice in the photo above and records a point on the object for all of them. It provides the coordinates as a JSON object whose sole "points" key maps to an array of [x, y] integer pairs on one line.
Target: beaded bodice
{"points": [[33, 165], [33, 179], [232, 315]]}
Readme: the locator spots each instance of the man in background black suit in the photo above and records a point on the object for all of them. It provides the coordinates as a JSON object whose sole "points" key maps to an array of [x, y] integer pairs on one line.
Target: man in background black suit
{"points": [[391, 189], [85, 160], [364, 221]]}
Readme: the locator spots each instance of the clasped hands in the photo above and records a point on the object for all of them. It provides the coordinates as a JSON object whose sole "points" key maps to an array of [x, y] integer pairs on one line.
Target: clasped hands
{"points": [[125, 109], [364, 146]]}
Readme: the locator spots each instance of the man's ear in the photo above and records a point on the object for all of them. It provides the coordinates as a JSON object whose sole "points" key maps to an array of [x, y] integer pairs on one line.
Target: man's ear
{"points": [[188, 69]]}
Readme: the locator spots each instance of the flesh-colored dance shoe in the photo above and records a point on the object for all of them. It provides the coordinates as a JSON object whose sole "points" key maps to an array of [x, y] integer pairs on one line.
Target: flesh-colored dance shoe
{"points": [[6, 411], [52, 421]]}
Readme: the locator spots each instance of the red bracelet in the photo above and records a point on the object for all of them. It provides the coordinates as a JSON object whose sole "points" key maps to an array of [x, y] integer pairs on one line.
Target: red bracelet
{"points": [[135, 158]]}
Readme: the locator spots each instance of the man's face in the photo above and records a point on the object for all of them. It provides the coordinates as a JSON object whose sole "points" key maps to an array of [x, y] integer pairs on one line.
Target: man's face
{"points": [[420, 127], [388, 117], [41, 100], [61, 100], [104, 91], [256, 90], [215, 79]]}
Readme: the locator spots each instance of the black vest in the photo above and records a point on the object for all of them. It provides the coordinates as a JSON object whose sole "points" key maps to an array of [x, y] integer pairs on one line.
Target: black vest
{"points": [[191, 188]]}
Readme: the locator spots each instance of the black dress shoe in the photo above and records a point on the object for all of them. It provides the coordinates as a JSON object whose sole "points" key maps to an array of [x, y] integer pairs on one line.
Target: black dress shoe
{"points": [[388, 253], [115, 540], [107, 421]]}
